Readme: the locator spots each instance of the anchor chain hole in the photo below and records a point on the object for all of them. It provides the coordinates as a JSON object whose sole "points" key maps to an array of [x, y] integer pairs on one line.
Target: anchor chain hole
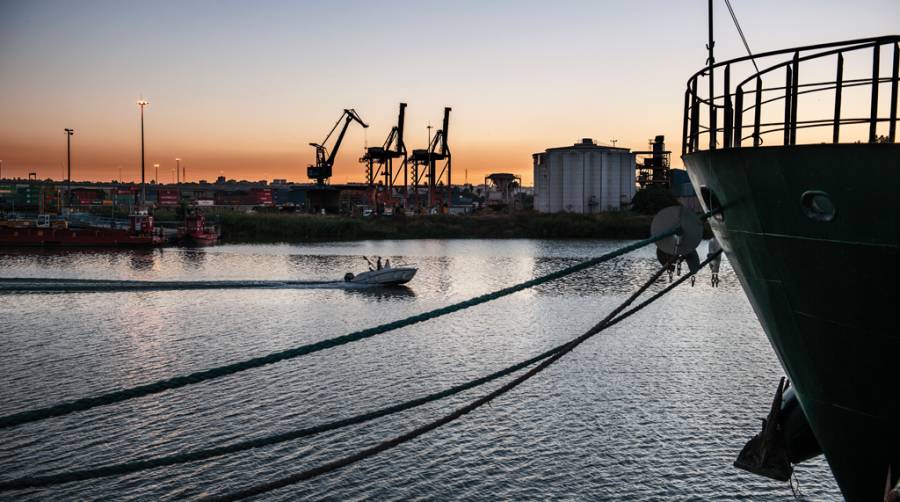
{"points": [[817, 205]]}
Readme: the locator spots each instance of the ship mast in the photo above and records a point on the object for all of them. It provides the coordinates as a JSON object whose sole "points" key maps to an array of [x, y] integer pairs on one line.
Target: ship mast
{"points": [[712, 61]]}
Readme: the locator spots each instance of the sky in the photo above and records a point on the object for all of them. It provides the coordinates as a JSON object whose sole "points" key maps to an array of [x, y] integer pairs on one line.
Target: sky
{"points": [[240, 89]]}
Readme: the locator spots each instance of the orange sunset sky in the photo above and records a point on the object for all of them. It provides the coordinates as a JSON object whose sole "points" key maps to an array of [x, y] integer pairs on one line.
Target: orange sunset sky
{"points": [[241, 88]]}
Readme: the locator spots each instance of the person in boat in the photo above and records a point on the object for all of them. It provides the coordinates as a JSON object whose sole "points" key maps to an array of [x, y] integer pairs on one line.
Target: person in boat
{"points": [[378, 263], [387, 263]]}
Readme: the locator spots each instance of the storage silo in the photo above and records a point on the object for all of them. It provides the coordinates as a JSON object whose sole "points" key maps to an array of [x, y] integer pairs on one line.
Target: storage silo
{"points": [[583, 178]]}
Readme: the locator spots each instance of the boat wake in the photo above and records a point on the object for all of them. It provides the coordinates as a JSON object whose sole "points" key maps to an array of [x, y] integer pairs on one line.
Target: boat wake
{"points": [[54, 285]]}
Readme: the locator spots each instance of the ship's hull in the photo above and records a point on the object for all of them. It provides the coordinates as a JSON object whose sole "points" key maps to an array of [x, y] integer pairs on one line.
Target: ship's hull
{"points": [[74, 237], [386, 276], [199, 238], [826, 292]]}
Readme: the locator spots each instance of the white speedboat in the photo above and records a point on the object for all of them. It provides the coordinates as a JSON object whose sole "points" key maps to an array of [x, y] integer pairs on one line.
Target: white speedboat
{"points": [[388, 276]]}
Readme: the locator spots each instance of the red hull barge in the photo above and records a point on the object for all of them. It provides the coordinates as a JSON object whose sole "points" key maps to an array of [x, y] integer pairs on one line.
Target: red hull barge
{"points": [[74, 237], [139, 233]]}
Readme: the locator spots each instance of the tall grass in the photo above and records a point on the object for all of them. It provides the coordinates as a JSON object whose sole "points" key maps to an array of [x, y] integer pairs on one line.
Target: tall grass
{"points": [[285, 227]]}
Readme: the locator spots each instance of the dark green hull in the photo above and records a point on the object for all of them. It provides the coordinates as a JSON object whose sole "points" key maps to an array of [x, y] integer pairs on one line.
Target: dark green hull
{"points": [[826, 292]]}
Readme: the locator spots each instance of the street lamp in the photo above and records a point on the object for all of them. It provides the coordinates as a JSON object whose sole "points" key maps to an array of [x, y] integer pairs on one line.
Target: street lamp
{"points": [[69, 133], [177, 168], [142, 103], [156, 176]]}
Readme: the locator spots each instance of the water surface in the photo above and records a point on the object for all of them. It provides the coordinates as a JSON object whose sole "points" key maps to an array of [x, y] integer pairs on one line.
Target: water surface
{"points": [[656, 407]]}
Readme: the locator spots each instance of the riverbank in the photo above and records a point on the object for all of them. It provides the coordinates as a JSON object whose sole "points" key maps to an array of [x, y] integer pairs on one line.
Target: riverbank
{"points": [[287, 227]]}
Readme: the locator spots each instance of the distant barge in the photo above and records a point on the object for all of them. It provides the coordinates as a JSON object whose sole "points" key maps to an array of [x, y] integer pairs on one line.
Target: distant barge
{"points": [[140, 232]]}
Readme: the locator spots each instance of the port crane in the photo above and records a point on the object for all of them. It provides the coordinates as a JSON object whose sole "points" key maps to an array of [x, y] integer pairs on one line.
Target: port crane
{"points": [[426, 160], [379, 160], [321, 171]]}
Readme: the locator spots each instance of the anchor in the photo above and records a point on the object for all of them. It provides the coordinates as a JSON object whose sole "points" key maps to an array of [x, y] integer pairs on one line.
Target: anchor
{"points": [[785, 439]]}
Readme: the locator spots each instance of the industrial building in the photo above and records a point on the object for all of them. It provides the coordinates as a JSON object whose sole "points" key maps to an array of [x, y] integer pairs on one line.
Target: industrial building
{"points": [[583, 178]]}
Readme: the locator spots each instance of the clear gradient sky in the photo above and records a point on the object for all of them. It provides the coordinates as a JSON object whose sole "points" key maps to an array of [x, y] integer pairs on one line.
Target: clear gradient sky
{"points": [[240, 88]]}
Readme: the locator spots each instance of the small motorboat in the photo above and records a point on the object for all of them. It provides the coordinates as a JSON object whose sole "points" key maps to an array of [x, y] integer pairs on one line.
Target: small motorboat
{"points": [[385, 276]]}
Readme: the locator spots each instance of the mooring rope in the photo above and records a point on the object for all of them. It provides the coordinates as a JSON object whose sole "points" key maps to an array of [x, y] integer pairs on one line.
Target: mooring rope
{"points": [[386, 445], [118, 396], [204, 454]]}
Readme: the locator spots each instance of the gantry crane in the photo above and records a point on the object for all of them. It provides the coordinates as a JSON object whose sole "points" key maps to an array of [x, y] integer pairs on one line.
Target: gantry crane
{"points": [[437, 150], [321, 171], [379, 160]]}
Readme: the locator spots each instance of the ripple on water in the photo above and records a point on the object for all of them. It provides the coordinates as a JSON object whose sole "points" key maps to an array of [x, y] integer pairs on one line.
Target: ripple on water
{"points": [[656, 407]]}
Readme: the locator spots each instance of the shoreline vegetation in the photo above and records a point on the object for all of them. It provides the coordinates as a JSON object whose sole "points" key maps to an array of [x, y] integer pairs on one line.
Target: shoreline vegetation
{"points": [[267, 228]]}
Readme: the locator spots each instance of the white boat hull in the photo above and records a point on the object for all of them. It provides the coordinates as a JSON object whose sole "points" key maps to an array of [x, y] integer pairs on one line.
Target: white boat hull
{"points": [[385, 276]]}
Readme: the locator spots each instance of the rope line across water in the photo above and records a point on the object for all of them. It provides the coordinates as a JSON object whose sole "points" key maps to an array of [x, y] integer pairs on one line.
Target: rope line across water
{"points": [[118, 396], [204, 454], [396, 441]]}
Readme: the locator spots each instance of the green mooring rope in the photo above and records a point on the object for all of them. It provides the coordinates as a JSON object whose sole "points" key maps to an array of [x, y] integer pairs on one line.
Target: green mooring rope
{"points": [[118, 396], [204, 454], [334, 465]]}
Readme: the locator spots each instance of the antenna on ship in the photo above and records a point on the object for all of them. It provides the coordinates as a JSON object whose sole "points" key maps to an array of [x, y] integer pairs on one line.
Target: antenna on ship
{"points": [[711, 61]]}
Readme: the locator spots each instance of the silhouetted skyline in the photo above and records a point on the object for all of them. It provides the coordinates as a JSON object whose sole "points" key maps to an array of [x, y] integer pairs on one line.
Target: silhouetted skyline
{"points": [[240, 89]]}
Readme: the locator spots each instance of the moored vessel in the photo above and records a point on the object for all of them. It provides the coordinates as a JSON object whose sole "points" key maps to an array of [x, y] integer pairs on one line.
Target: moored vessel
{"points": [[196, 232], [139, 232], [807, 216]]}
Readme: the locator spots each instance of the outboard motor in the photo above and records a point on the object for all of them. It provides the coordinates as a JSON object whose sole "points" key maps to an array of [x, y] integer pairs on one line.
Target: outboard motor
{"points": [[785, 439]]}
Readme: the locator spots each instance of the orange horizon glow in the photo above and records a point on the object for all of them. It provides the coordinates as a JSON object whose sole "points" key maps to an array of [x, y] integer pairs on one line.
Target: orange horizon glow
{"points": [[93, 162], [242, 93]]}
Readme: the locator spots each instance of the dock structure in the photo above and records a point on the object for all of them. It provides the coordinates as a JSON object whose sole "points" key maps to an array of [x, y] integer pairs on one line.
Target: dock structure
{"points": [[379, 162], [436, 183]]}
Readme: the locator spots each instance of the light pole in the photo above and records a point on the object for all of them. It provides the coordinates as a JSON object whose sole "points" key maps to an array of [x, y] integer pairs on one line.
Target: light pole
{"points": [[156, 176], [142, 103], [1, 169], [69, 133], [177, 168]]}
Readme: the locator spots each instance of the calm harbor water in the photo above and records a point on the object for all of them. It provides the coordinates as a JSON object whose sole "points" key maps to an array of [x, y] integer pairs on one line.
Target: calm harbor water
{"points": [[655, 408]]}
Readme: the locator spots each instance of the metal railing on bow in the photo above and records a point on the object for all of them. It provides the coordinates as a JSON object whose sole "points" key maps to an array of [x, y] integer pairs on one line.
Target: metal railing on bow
{"points": [[765, 99]]}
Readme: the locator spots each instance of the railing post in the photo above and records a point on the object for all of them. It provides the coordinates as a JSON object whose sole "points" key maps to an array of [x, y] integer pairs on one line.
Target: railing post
{"points": [[729, 113], [892, 127], [713, 126], [838, 88], [788, 91], [684, 123], [756, 112], [738, 116], [873, 115], [795, 86], [695, 118]]}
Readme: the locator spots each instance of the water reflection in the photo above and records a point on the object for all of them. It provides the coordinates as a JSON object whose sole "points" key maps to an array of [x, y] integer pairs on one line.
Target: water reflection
{"points": [[142, 259], [382, 293], [190, 257], [620, 417]]}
